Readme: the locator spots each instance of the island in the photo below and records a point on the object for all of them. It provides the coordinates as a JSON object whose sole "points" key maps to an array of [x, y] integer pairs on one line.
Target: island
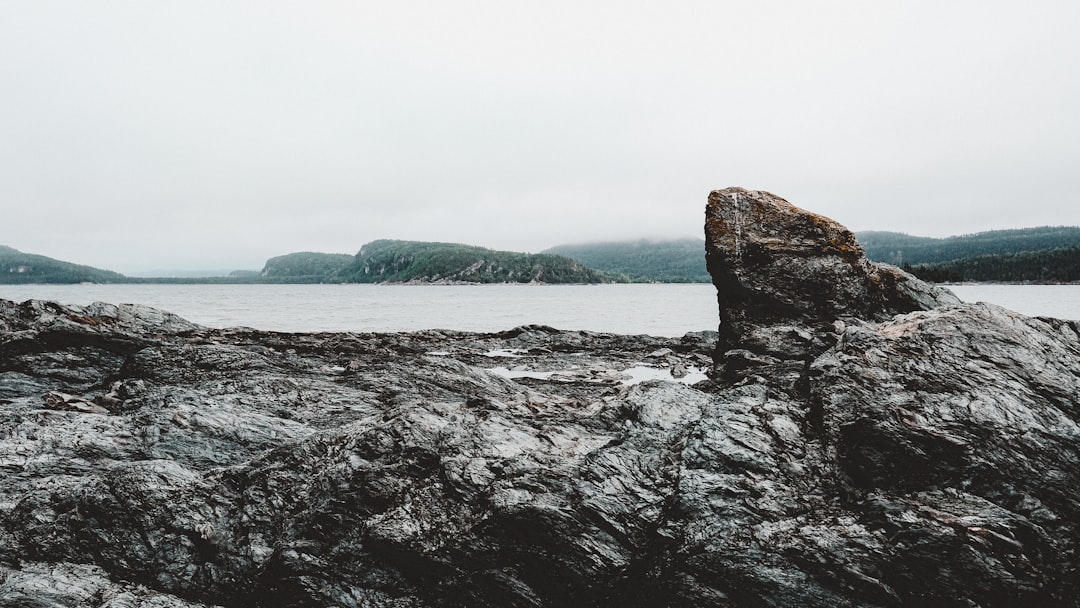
{"points": [[382, 261], [389, 261]]}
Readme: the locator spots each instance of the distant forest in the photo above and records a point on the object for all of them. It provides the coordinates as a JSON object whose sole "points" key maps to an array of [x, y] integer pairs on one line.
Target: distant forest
{"points": [[411, 261], [1043, 255], [17, 267], [1049, 254], [305, 267], [377, 262], [1047, 266], [644, 261]]}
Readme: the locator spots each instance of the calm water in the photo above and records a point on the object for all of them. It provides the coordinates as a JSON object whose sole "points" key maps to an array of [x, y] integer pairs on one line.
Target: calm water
{"points": [[661, 310], [1061, 301]]}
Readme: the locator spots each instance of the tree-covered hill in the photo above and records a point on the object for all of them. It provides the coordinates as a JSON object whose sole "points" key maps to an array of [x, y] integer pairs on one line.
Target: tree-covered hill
{"points": [[18, 267], [305, 266], [389, 261], [1049, 254], [670, 261], [1061, 265], [897, 248]]}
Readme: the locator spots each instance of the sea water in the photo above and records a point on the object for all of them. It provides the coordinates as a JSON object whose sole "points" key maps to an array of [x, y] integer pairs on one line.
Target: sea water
{"points": [[654, 309]]}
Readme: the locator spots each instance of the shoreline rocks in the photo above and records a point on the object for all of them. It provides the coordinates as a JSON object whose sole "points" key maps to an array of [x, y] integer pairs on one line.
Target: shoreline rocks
{"points": [[789, 281], [782, 273], [863, 444]]}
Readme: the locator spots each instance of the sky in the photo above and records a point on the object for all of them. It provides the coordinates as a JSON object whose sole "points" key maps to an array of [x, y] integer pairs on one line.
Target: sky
{"points": [[201, 134]]}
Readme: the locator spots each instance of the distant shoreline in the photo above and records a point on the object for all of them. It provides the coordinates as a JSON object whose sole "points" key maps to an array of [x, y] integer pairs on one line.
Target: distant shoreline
{"points": [[235, 281]]}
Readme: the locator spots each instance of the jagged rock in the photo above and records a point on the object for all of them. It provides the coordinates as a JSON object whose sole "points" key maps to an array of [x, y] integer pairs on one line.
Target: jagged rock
{"points": [[782, 274], [926, 459]]}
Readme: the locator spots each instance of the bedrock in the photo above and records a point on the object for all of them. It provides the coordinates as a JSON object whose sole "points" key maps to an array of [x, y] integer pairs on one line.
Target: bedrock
{"points": [[866, 441]]}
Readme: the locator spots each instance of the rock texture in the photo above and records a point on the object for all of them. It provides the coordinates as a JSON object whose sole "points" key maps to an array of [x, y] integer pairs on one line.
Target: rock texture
{"points": [[921, 459], [783, 274]]}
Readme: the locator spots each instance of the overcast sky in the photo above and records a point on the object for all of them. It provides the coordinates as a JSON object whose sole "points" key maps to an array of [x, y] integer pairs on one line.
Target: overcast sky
{"points": [[215, 134]]}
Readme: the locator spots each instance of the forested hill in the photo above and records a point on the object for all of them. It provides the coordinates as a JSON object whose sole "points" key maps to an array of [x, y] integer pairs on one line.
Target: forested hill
{"points": [[1049, 254], [305, 266], [377, 262], [1061, 265], [19, 267], [423, 262], [649, 261], [897, 248]]}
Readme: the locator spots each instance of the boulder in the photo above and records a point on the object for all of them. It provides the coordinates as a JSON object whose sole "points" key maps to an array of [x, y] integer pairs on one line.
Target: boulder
{"points": [[871, 443], [783, 274]]}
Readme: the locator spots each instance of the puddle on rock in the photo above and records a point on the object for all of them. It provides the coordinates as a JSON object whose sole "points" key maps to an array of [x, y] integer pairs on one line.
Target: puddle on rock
{"points": [[630, 376], [520, 373]]}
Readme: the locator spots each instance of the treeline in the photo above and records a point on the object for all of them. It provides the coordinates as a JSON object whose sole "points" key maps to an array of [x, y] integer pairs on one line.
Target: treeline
{"points": [[902, 249], [644, 261], [1049, 254], [389, 261], [1061, 265], [17, 267], [377, 262], [305, 267]]}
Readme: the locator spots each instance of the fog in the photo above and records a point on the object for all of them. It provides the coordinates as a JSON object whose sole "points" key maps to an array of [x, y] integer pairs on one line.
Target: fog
{"points": [[154, 135]]}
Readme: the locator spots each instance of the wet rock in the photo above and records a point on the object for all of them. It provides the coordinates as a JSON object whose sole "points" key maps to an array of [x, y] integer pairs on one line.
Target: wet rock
{"points": [[64, 585], [865, 445], [783, 274]]}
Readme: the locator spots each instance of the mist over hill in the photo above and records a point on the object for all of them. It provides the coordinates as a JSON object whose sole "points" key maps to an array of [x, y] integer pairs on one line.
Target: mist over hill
{"points": [[899, 248], [318, 267], [1044, 254], [389, 261], [643, 260], [17, 267]]}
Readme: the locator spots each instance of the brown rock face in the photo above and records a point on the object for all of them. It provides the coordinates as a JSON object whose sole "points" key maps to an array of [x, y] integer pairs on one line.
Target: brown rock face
{"points": [[782, 274]]}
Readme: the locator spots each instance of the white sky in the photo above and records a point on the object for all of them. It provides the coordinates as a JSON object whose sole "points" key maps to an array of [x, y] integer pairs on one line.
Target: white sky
{"points": [[208, 134]]}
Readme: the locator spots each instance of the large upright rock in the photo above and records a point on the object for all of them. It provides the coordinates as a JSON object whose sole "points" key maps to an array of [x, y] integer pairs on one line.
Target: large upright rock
{"points": [[783, 274], [928, 459]]}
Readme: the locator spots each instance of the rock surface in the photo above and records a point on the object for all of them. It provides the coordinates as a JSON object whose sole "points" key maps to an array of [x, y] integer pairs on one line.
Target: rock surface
{"points": [[783, 274], [921, 459]]}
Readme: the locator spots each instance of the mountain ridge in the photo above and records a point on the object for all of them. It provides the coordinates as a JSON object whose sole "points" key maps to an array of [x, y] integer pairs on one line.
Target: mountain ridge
{"points": [[1041, 254]]}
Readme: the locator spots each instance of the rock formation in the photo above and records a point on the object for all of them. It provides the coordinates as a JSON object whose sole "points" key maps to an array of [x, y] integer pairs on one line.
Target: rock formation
{"points": [[923, 458], [785, 276]]}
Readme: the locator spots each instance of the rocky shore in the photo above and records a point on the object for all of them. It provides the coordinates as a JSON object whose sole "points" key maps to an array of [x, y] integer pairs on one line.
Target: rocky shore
{"points": [[851, 437]]}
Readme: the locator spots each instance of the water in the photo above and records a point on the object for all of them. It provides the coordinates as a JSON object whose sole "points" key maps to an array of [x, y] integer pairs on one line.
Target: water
{"points": [[1061, 301], [660, 310]]}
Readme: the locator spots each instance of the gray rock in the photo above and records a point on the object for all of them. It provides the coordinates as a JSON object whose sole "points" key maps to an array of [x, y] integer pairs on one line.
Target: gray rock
{"points": [[845, 456], [781, 271]]}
